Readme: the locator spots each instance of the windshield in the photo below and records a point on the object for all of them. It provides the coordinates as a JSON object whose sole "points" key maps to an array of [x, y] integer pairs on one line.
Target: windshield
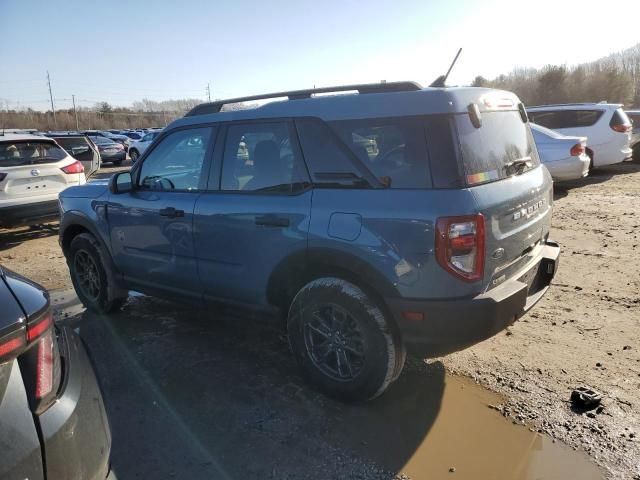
{"points": [[502, 146], [29, 153]]}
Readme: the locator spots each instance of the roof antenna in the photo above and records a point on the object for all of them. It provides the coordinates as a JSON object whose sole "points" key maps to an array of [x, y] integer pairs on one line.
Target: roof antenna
{"points": [[440, 81]]}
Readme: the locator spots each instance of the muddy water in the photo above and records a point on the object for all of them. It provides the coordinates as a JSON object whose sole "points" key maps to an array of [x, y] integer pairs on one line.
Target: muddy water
{"points": [[429, 425], [469, 440]]}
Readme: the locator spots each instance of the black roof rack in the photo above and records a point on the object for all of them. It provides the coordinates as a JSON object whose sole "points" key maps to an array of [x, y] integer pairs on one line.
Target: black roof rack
{"points": [[215, 107]]}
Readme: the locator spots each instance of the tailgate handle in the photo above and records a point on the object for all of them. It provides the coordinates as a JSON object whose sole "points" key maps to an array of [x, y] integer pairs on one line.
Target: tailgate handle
{"points": [[272, 221], [171, 212]]}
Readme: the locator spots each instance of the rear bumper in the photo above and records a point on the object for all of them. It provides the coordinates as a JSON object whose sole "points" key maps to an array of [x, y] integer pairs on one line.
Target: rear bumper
{"points": [[570, 168], [29, 213], [113, 157], [75, 430], [452, 325]]}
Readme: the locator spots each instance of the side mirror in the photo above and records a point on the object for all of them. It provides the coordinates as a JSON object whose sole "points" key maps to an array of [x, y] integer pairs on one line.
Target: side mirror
{"points": [[121, 183]]}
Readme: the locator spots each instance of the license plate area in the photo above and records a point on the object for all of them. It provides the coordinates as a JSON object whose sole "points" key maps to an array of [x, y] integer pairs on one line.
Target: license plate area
{"points": [[539, 276]]}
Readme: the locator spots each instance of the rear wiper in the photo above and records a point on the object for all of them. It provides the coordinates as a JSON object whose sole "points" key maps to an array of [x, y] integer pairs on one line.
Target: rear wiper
{"points": [[518, 166], [349, 176]]}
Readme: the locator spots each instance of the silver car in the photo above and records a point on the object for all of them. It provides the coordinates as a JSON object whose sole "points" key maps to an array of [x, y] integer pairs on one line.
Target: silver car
{"points": [[565, 157]]}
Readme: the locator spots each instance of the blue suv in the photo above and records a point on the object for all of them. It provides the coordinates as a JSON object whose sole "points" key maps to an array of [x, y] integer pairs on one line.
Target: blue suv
{"points": [[386, 219]]}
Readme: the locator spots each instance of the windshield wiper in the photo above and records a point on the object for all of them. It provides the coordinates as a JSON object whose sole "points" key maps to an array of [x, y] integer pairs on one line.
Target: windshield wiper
{"points": [[517, 167]]}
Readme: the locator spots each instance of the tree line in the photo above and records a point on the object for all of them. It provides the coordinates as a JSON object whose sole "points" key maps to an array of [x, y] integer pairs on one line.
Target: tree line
{"points": [[615, 79]]}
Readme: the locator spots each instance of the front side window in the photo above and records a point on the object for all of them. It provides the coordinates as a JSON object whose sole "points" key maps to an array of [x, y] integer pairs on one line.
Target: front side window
{"points": [[29, 153], [393, 149], [262, 158], [176, 162]]}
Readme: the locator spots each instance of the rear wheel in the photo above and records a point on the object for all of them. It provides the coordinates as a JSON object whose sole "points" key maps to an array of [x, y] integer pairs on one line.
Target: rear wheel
{"points": [[343, 341], [92, 276], [590, 155]]}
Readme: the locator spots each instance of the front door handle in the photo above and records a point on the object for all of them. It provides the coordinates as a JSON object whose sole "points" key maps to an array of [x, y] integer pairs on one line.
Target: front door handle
{"points": [[171, 212], [272, 221]]}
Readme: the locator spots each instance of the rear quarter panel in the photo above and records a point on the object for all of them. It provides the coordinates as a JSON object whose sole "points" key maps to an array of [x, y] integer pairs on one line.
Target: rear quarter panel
{"points": [[393, 231]]}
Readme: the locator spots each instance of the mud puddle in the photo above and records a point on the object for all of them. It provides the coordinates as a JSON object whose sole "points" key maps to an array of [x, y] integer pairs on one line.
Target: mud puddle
{"points": [[429, 425], [469, 440]]}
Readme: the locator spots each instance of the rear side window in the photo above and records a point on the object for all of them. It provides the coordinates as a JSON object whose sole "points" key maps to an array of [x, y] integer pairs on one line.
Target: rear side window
{"points": [[393, 149], [18, 153], [566, 118], [501, 146]]}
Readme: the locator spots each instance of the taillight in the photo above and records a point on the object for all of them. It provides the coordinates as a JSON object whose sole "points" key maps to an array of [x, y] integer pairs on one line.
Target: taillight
{"points": [[40, 363], [11, 345], [44, 366], [460, 246], [577, 150], [75, 167], [621, 127]]}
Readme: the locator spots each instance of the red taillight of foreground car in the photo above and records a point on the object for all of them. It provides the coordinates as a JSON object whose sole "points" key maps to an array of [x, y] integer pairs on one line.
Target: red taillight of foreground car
{"points": [[11, 345], [460, 246], [44, 366], [577, 150], [75, 167], [37, 328]]}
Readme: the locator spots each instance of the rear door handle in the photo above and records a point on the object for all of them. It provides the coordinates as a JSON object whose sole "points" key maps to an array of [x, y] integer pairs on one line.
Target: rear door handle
{"points": [[272, 221], [171, 212]]}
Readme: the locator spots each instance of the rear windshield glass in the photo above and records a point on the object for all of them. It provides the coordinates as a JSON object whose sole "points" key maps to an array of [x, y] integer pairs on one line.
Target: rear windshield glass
{"points": [[394, 149], [29, 153], [502, 146], [565, 118]]}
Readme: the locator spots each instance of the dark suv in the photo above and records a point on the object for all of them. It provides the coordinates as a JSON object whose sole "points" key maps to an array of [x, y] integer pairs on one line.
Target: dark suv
{"points": [[390, 218]]}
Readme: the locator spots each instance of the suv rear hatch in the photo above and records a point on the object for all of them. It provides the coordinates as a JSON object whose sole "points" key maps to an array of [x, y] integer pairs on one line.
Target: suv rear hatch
{"points": [[512, 190], [29, 168]]}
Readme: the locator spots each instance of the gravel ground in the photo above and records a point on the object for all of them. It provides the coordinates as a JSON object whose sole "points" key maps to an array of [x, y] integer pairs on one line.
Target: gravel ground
{"points": [[586, 331]]}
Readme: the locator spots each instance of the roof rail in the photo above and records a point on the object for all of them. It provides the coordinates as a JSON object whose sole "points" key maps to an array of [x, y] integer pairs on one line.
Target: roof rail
{"points": [[563, 104], [215, 107]]}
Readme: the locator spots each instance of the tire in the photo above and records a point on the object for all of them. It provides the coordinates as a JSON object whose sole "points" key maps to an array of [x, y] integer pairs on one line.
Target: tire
{"points": [[134, 155], [92, 275], [343, 341], [590, 155]]}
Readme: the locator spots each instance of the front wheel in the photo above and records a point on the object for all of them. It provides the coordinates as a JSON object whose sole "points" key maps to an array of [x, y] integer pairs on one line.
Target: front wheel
{"points": [[92, 276], [133, 154], [343, 341]]}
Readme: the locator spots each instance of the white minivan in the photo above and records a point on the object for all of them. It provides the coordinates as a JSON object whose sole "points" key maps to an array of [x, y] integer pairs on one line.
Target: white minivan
{"points": [[606, 126], [33, 171]]}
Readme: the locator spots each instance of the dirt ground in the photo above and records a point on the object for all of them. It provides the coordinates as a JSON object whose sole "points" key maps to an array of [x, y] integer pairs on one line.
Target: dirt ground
{"points": [[585, 332]]}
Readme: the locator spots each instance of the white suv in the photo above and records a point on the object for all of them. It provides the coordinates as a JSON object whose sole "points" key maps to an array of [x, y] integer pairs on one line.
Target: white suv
{"points": [[137, 148], [605, 124], [33, 171]]}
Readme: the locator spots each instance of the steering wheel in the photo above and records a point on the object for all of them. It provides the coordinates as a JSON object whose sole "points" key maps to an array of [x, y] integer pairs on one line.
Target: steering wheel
{"points": [[387, 159]]}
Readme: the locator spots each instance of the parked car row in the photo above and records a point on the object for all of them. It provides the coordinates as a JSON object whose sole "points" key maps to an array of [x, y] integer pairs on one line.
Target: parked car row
{"points": [[566, 133]]}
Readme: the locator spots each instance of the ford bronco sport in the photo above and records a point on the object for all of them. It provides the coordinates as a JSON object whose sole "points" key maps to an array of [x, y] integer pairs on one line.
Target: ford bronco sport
{"points": [[387, 219]]}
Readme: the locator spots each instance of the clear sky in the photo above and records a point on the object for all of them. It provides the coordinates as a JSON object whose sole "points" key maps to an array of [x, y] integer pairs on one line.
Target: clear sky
{"points": [[121, 51]]}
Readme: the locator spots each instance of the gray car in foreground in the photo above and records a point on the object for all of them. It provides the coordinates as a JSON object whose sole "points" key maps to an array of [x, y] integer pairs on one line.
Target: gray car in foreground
{"points": [[53, 423], [565, 157]]}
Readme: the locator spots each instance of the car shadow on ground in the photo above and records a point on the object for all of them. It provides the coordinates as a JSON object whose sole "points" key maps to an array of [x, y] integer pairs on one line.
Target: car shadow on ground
{"points": [[193, 394], [11, 237], [600, 175]]}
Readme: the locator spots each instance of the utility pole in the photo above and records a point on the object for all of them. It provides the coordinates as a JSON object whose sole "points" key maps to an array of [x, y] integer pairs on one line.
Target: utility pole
{"points": [[75, 112], [209, 92], [55, 124]]}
